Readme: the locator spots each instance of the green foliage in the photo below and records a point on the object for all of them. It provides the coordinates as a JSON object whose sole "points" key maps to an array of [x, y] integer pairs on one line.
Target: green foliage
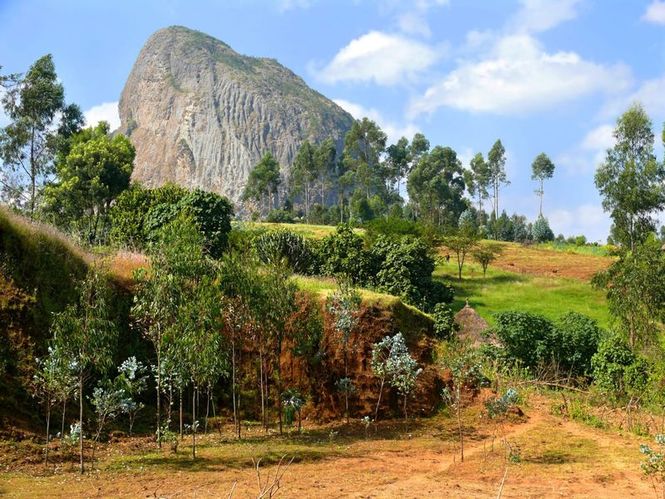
{"points": [[485, 254], [140, 213], [280, 216], [653, 465], [631, 180], [541, 231], [263, 182], [276, 247], [636, 291], [445, 326], [542, 169], [498, 406], [89, 178], [617, 370], [566, 346], [342, 254]]}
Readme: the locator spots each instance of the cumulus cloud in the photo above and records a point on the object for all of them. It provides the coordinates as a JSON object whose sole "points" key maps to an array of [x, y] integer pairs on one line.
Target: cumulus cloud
{"points": [[590, 152], [535, 16], [649, 93], [587, 219], [108, 111], [393, 130], [655, 12], [518, 76], [383, 58]]}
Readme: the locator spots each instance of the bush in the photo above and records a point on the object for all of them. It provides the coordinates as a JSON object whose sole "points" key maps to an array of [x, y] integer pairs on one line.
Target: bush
{"points": [[541, 231], [342, 253], [617, 370], [566, 346], [445, 326], [276, 246], [280, 216]]}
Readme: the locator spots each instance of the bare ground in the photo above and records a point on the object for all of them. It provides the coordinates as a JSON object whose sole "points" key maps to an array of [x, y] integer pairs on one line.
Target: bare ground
{"points": [[552, 457]]}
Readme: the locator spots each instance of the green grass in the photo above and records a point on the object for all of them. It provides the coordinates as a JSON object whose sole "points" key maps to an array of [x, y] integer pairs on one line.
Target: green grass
{"points": [[501, 291], [306, 230], [579, 250]]}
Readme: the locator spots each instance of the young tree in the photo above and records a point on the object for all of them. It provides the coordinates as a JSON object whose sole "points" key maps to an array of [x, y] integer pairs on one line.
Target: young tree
{"points": [[486, 253], [177, 259], [343, 306], [496, 167], [133, 380], [542, 169], [325, 158], [107, 400], [630, 180], [541, 231], [53, 382], [462, 242], [85, 333], [35, 105], [89, 178]]}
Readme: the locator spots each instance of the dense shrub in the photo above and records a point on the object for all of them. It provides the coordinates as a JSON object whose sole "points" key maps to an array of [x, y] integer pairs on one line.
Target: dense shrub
{"points": [[277, 246], [617, 370], [565, 347], [280, 216], [391, 226], [139, 213], [444, 322], [342, 253]]}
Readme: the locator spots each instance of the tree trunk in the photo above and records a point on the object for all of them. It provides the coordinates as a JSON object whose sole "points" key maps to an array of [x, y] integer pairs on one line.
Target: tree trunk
{"points": [[48, 429], [262, 387], [542, 193], [82, 469], [378, 402], [205, 429], [233, 384], [159, 388], [194, 423], [459, 423], [181, 435], [64, 411]]}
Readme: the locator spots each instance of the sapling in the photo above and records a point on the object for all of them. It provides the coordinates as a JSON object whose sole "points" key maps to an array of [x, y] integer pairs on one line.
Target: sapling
{"points": [[132, 378], [653, 465], [343, 306], [293, 401], [107, 401]]}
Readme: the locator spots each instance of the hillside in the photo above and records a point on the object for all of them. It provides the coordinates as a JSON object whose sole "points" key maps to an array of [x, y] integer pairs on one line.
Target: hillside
{"points": [[201, 115]]}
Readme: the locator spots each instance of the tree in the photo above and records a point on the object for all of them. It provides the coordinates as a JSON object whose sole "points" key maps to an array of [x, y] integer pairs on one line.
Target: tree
{"points": [[496, 167], [364, 144], [53, 382], [132, 379], [630, 179], [485, 254], [304, 173], [542, 169], [479, 181], [636, 291], [325, 158], [398, 161], [36, 107], [436, 186], [462, 242], [343, 306], [85, 333], [263, 182], [177, 260], [541, 231], [92, 175]]}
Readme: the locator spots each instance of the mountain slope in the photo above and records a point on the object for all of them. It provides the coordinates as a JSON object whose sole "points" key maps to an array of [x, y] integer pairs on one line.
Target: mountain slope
{"points": [[201, 115]]}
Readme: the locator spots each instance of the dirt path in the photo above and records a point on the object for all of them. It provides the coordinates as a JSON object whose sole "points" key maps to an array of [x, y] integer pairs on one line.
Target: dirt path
{"points": [[559, 458]]}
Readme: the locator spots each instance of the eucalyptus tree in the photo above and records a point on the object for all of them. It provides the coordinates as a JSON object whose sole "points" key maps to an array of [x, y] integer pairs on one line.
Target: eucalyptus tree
{"points": [[496, 170], [303, 174], [364, 145], [53, 382], [85, 333], [35, 105], [263, 182], [325, 158], [542, 169], [479, 181], [631, 180], [177, 261], [343, 305]]}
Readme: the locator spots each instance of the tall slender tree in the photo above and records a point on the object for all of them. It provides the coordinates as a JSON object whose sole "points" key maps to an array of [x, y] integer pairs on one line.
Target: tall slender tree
{"points": [[496, 165], [631, 180], [480, 175], [542, 169]]}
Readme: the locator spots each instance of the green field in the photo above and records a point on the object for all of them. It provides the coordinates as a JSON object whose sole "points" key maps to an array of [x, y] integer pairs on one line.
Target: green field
{"points": [[502, 290]]}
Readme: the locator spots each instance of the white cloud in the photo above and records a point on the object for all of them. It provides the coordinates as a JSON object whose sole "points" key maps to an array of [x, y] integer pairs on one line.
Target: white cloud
{"points": [[392, 130], [587, 219], [585, 157], [518, 76], [108, 111], [655, 12], [535, 16], [383, 58], [650, 94], [414, 21]]}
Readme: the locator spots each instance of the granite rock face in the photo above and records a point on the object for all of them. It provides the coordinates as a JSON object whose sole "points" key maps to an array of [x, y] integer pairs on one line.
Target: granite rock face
{"points": [[202, 115]]}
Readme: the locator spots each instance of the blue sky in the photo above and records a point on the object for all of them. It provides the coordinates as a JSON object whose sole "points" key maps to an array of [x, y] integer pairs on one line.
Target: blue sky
{"points": [[544, 76]]}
